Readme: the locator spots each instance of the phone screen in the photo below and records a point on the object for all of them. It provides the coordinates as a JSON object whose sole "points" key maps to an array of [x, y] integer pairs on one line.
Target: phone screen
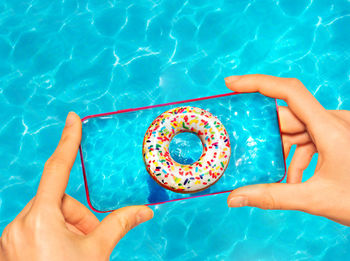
{"points": [[111, 150]]}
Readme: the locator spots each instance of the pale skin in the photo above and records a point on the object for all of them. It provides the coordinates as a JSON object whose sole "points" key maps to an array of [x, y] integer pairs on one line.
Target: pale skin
{"points": [[54, 226], [312, 129]]}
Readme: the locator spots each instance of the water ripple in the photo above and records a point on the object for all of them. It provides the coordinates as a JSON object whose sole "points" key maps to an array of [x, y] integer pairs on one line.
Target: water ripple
{"points": [[93, 56]]}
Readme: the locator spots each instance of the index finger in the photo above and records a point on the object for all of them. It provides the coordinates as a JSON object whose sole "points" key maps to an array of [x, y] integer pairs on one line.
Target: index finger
{"points": [[299, 99], [55, 177]]}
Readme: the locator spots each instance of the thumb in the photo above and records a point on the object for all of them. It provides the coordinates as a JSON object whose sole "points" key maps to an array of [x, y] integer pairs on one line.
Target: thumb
{"points": [[271, 196], [114, 227]]}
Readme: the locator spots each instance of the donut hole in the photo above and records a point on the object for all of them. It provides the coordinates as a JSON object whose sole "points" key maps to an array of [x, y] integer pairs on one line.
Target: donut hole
{"points": [[186, 148]]}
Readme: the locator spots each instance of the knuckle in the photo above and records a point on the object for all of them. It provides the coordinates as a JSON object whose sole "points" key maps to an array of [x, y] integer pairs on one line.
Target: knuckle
{"points": [[31, 220], [32, 223], [124, 224], [5, 237], [291, 86], [38, 221], [54, 163], [12, 233], [294, 82], [66, 138], [69, 138], [268, 200]]}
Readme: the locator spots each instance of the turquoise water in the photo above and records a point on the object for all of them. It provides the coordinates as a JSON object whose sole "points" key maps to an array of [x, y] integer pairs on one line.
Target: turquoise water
{"points": [[96, 56], [115, 169]]}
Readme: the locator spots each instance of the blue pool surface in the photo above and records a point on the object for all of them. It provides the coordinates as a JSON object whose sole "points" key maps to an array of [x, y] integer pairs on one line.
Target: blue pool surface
{"points": [[94, 56], [115, 168]]}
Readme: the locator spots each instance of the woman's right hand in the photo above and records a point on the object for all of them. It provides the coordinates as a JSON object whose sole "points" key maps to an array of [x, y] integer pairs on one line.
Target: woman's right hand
{"points": [[313, 129]]}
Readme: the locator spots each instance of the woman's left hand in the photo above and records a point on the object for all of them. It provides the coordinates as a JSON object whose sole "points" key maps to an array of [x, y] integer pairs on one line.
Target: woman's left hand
{"points": [[54, 226]]}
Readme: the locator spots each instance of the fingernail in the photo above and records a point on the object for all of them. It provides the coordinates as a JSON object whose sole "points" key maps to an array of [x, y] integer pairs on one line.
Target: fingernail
{"points": [[232, 78], [143, 215], [70, 119], [238, 201]]}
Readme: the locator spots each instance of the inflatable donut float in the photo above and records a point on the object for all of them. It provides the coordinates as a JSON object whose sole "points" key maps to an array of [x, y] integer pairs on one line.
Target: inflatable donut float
{"points": [[196, 176]]}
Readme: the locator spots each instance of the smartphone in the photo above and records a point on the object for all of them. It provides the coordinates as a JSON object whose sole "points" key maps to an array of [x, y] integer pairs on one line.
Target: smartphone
{"points": [[112, 161]]}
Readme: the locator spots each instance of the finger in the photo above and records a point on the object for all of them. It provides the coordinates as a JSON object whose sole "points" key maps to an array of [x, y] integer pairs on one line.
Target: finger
{"points": [[300, 161], [287, 145], [298, 98], [117, 224], [294, 139], [74, 229], [299, 138], [289, 122], [56, 172], [78, 215], [271, 196]]}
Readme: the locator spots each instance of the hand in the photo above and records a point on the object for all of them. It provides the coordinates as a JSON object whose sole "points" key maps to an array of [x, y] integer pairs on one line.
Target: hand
{"points": [[314, 130], [54, 226]]}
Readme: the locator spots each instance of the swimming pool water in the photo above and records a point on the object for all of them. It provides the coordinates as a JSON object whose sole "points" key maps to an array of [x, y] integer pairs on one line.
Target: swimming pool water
{"points": [[113, 156], [93, 56]]}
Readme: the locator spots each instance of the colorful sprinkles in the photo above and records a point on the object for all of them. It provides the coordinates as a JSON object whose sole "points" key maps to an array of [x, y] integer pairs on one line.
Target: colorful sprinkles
{"points": [[198, 175]]}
